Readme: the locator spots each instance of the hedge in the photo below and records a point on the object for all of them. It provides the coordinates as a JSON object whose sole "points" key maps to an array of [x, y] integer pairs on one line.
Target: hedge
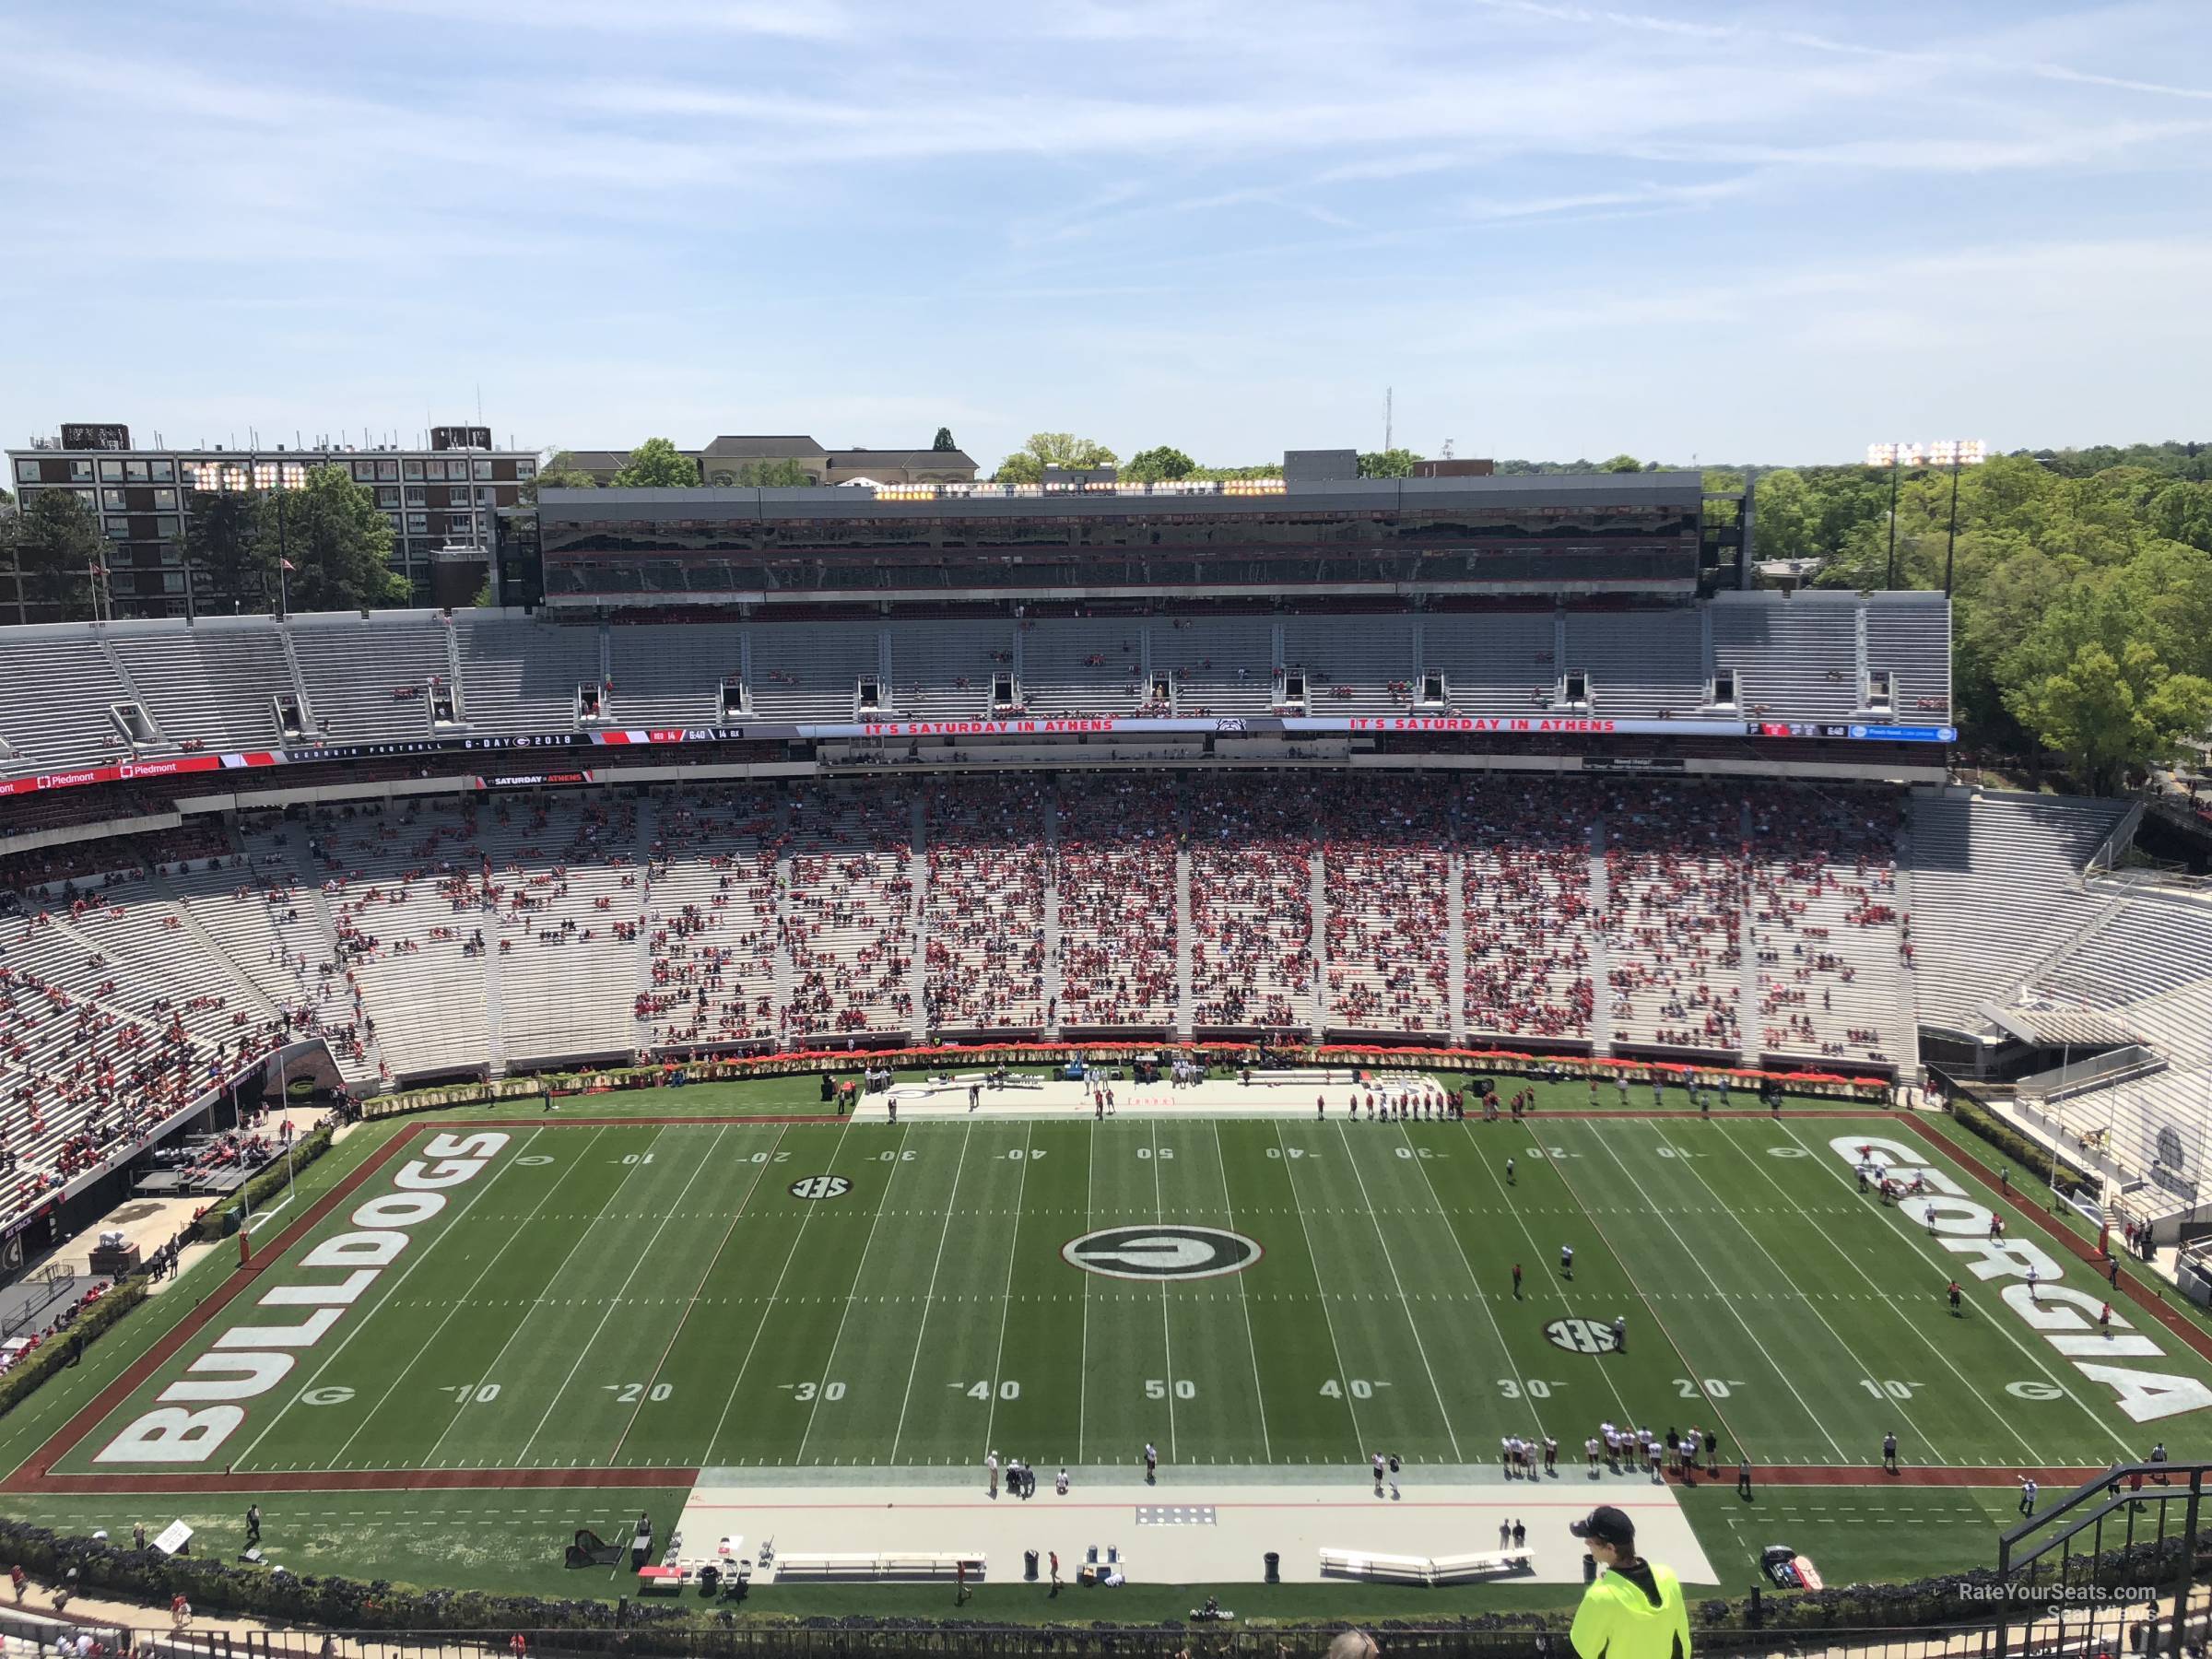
{"points": [[2031, 1155], [52, 1354], [222, 1222]]}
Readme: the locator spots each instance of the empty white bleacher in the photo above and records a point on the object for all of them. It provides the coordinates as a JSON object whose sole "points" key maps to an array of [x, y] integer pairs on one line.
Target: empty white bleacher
{"points": [[1220, 665], [521, 676], [807, 671], [1082, 667], [1640, 663], [1996, 878], [1493, 661], [59, 689], [942, 669], [366, 678], [672, 673], [1355, 664], [214, 685], [1798, 658], [1910, 635]]}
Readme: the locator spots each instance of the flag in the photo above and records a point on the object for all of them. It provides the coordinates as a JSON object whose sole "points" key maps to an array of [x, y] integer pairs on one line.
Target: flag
{"points": [[286, 564]]}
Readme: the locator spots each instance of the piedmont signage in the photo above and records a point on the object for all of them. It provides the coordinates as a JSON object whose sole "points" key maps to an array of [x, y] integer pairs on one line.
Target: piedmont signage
{"points": [[1255, 725]]}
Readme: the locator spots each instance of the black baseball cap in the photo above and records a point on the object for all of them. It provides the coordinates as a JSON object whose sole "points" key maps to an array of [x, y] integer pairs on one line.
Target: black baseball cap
{"points": [[1607, 1525]]}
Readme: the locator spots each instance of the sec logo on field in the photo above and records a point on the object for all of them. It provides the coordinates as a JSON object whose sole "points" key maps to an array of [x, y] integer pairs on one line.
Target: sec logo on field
{"points": [[820, 1186], [1581, 1336], [1156, 1251]]}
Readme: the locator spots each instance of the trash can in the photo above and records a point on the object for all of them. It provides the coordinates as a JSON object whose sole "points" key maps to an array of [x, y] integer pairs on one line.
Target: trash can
{"points": [[1275, 1567], [1028, 1565]]}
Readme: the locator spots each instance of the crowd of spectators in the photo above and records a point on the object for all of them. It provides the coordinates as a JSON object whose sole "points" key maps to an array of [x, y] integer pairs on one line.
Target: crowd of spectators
{"points": [[1825, 926], [1252, 907], [983, 905], [1674, 891], [711, 920], [847, 922], [1117, 903], [1525, 882], [1385, 857]]}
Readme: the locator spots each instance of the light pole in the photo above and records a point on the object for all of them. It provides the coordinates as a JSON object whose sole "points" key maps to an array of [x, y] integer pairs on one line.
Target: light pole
{"points": [[1953, 453]]}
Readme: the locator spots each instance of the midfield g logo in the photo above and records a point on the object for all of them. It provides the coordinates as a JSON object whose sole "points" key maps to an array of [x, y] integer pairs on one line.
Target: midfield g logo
{"points": [[1161, 1251]]}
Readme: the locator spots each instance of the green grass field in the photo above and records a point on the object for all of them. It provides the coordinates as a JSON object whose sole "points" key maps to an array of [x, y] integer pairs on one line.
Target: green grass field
{"points": [[637, 1295]]}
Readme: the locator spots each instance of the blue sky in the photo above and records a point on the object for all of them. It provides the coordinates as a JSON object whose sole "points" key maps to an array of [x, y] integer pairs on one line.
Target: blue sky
{"points": [[1767, 231]]}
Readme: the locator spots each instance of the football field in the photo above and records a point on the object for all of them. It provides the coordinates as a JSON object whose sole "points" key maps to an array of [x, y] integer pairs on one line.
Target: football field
{"points": [[536, 1298]]}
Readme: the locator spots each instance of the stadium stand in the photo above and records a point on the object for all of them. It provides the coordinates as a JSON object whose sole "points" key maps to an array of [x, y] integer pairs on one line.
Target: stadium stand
{"points": [[1674, 891], [710, 917], [1825, 926], [849, 916], [1525, 894], [1387, 877], [368, 677], [983, 905], [1117, 881], [214, 688], [523, 676], [1252, 908]]}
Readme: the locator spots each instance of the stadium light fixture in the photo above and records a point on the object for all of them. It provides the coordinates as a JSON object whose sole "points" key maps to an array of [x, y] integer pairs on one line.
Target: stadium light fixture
{"points": [[1953, 453]]}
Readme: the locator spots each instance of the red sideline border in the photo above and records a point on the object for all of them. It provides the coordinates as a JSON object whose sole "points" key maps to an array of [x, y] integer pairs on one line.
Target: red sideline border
{"points": [[35, 1474]]}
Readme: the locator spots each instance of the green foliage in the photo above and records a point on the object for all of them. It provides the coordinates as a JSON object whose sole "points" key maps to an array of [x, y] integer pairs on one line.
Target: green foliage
{"points": [[772, 474], [481, 599], [54, 541], [49, 1357], [1027, 464], [1387, 464], [1159, 465], [657, 464], [221, 1222], [2109, 717], [223, 542], [560, 473], [942, 444], [1620, 464], [339, 544]]}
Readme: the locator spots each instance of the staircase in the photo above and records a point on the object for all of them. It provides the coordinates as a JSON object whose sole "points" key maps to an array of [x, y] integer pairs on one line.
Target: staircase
{"points": [[291, 662], [160, 885], [787, 975], [1051, 910], [1601, 981], [649, 819], [1751, 1035], [495, 1017], [373, 1048], [1908, 982], [107, 648], [1182, 945], [1456, 936], [1321, 948], [917, 974]]}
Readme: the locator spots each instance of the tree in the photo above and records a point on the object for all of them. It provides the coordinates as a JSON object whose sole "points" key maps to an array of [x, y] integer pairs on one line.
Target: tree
{"points": [[657, 464], [338, 545], [1159, 465], [942, 444], [223, 542], [560, 473], [1027, 464], [772, 474], [2183, 513], [1620, 464], [54, 544], [2110, 716], [1387, 464]]}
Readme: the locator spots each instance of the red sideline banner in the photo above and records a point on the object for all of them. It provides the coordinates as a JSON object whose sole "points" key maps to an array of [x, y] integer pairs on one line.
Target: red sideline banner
{"points": [[40, 781]]}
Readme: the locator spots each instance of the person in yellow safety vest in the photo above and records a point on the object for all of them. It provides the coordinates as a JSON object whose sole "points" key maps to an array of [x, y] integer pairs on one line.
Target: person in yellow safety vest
{"points": [[1633, 1610]]}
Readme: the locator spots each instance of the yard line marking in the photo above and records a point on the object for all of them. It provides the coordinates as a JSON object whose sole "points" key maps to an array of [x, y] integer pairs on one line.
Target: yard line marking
{"points": [[637, 1264], [1090, 1182], [1160, 1214], [830, 1363], [660, 1365], [797, 1237], [421, 1257], [1290, 1167], [1850, 1353], [1652, 1209], [929, 1300], [1006, 1299], [1496, 1329], [1391, 1261], [1228, 1208], [1834, 1167], [2034, 1457]]}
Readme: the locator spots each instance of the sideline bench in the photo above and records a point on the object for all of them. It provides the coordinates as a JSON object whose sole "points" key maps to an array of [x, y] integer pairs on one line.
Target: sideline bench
{"points": [[1422, 1570], [929, 1565]]}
